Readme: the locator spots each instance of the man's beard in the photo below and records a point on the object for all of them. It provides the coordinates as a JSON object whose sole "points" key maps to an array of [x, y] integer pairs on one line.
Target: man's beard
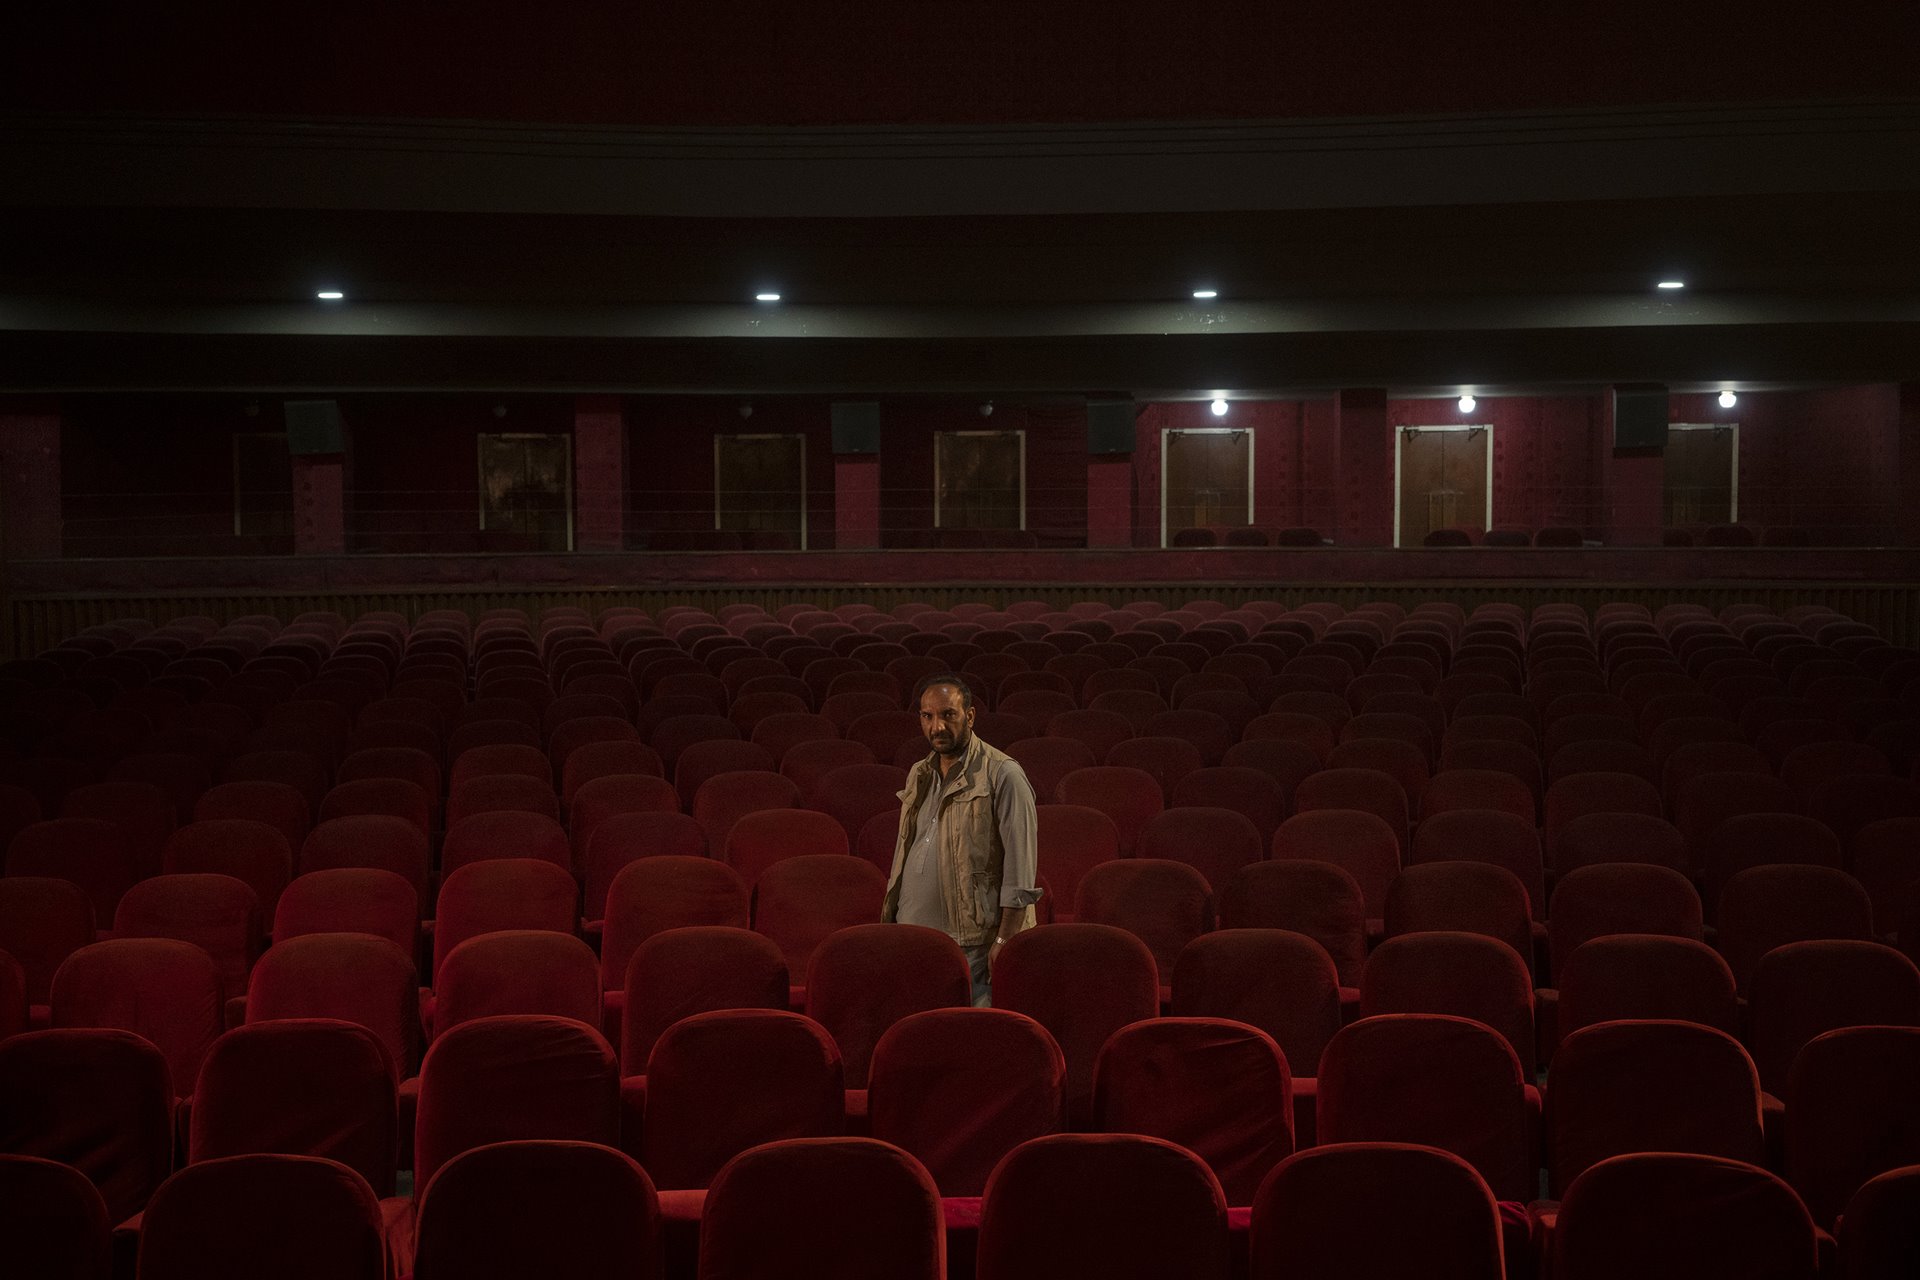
{"points": [[957, 746]]}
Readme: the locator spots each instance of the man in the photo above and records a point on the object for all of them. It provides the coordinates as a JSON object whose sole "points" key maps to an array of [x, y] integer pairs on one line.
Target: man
{"points": [[966, 858]]}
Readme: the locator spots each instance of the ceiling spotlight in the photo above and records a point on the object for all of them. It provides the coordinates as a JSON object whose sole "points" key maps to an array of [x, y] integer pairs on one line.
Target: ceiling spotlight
{"points": [[766, 297], [1467, 403], [1206, 294], [1219, 407], [1728, 399], [330, 295], [1671, 284]]}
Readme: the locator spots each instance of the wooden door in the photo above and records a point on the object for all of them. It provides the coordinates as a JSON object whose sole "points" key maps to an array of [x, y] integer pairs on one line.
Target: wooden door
{"points": [[1209, 480], [1699, 476], [760, 485], [979, 480], [526, 490], [1443, 480]]}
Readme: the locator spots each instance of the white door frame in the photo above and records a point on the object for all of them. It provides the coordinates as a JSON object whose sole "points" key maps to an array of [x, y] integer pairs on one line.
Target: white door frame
{"points": [[1019, 432], [1203, 431], [761, 435], [1733, 485], [1399, 442]]}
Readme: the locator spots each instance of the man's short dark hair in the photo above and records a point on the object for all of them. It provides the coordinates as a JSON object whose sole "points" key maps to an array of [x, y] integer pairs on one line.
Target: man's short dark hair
{"points": [[966, 694]]}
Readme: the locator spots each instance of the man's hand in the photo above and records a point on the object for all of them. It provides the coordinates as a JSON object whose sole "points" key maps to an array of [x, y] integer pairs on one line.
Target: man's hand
{"points": [[993, 954]]}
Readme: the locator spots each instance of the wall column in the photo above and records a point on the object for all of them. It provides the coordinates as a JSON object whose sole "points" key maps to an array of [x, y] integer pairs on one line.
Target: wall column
{"points": [[599, 474], [856, 501], [1110, 500], [1907, 496], [1635, 481], [1363, 467], [30, 481]]}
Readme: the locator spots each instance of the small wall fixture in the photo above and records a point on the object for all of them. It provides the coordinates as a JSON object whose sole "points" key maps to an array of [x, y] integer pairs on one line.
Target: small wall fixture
{"points": [[1671, 284], [1219, 407], [1206, 295], [1467, 403], [1728, 399], [330, 295], [766, 297]]}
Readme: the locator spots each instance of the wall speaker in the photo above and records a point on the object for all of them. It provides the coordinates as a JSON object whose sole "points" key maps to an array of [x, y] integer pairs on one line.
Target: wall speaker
{"points": [[1110, 426], [856, 426], [314, 426], [1640, 416]]}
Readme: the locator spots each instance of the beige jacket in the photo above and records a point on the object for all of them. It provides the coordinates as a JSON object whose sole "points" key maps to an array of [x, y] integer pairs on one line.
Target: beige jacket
{"points": [[987, 843]]}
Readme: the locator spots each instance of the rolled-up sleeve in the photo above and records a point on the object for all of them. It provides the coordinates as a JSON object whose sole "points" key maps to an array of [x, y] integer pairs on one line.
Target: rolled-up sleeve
{"points": [[1019, 838]]}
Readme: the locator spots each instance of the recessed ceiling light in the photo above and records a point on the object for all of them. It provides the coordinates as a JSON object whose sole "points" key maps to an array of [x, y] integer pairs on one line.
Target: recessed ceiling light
{"points": [[1204, 294], [766, 297], [1728, 399], [1671, 284], [1467, 403], [330, 295], [1219, 407]]}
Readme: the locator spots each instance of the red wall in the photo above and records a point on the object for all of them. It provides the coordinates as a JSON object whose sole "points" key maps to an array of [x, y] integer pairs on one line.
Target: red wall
{"points": [[670, 458], [1056, 447]]}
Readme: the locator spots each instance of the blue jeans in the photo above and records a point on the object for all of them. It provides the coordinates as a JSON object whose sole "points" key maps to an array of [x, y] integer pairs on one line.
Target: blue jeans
{"points": [[977, 970]]}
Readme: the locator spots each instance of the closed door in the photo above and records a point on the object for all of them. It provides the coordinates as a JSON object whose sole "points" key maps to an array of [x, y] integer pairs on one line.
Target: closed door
{"points": [[1443, 480], [1208, 480], [1699, 465], [760, 485]]}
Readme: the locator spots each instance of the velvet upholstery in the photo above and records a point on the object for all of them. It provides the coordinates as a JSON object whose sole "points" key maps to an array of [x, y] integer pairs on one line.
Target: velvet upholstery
{"points": [[853, 793], [53, 1224], [1215, 842], [1165, 904], [1305, 896], [350, 900], [164, 990], [1436, 1080], [517, 971], [503, 893], [256, 853], [144, 814], [305, 1087], [510, 1077], [698, 969], [757, 840], [1880, 1231], [98, 1101], [1468, 975], [1470, 897], [725, 798], [1218, 1088], [1280, 982], [1644, 975], [1618, 1087], [504, 833], [1499, 838], [866, 1206], [1669, 1216], [1072, 839], [1375, 1209], [1082, 982], [217, 913], [666, 892], [1121, 1207], [864, 978], [1596, 901], [609, 799], [799, 902], [719, 1083], [43, 920], [1126, 795], [525, 1208], [88, 852], [246, 1216], [627, 838], [353, 977], [373, 840], [1852, 1114], [1803, 989], [1366, 790], [1766, 907]]}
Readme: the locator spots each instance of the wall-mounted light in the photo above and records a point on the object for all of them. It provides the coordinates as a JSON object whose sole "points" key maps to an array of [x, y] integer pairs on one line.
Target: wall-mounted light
{"points": [[1467, 403], [1671, 284], [330, 295], [1728, 399], [1219, 406], [1206, 295], [767, 296]]}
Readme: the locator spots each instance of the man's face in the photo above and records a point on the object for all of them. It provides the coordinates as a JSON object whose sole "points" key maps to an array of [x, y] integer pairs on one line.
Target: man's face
{"points": [[945, 719]]}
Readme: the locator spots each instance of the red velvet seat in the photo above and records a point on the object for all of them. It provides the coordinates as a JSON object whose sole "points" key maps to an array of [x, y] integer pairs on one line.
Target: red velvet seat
{"points": [[514, 758], [865, 978], [1452, 790], [52, 1220], [1122, 1207], [1082, 982], [854, 793], [1358, 842], [502, 793], [1620, 897], [613, 796], [707, 759], [1670, 1216], [1766, 907], [1301, 727], [350, 900], [144, 813], [1098, 731], [1220, 1089], [760, 839], [1852, 1114], [590, 760], [277, 804], [1166, 760], [1619, 1087], [1801, 990], [308, 1087], [1474, 897], [959, 1088], [42, 922], [720, 1083], [800, 902], [1591, 793], [377, 841], [1280, 982], [250, 852], [402, 763], [1364, 790], [868, 1206], [96, 1100], [1467, 975], [388, 797], [809, 762], [538, 1207], [90, 853], [1163, 903], [1375, 1209], [503, 893], [255, 1215], [505, 833], [1437, 1080], [655, 894], [1215, 842], [514, 1077], [1880, 1231], [1073, 839], [217, 913], [517, 971], [160, 988], [1253, 793], [1643, 976], [1849, 803], [725, 798], [1316, 899], [695, 969], [357, 978]]}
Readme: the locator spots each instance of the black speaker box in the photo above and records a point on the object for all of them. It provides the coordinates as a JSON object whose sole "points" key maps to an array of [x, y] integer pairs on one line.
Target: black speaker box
{"points": [[314, 426], [1640, 416], [1110, 426], [856, 426]]}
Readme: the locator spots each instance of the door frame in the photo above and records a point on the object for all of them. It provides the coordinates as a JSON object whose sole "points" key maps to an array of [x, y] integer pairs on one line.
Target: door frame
{"points": [[719, 502], [1733, 481], [566, 473], [1399, 443], [1204, 431], [1020, 435]]}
